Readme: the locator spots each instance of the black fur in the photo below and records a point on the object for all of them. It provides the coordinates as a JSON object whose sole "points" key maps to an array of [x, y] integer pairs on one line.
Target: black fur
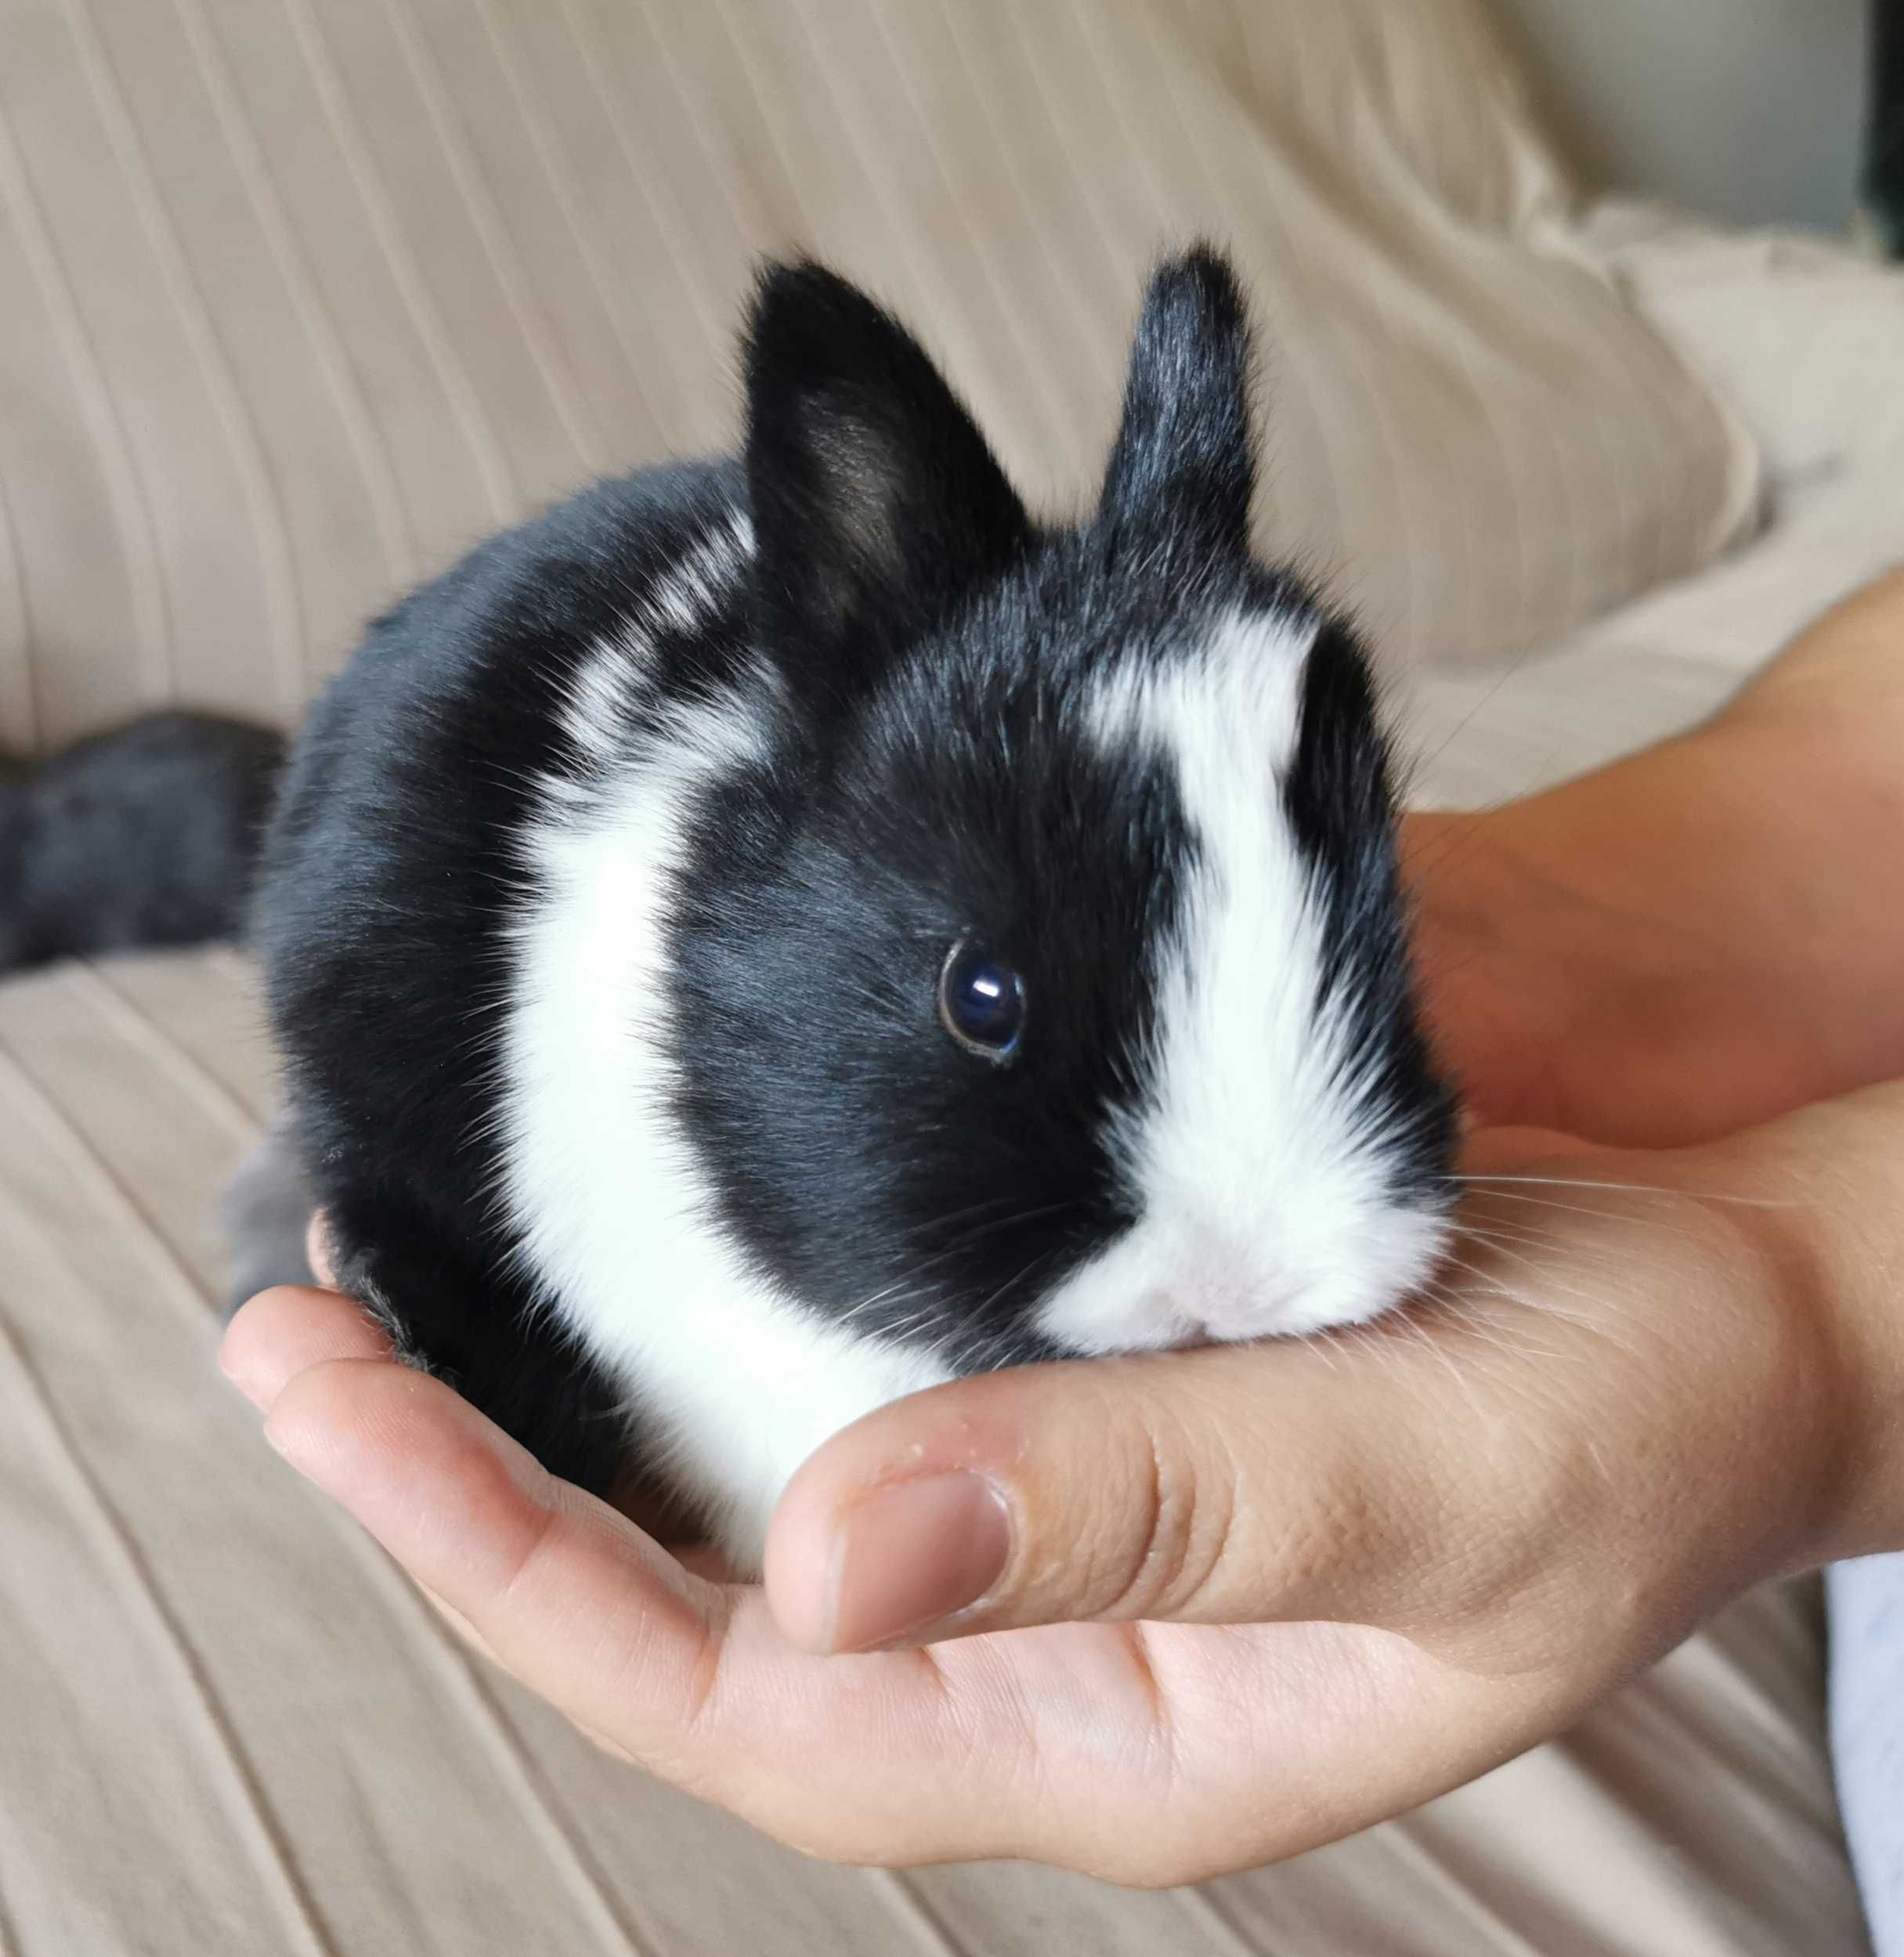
{"points": [[929, 774], [873, 496], [390, 876], [1341, 806], [143, 837], [1184, 452], [964, 797]]}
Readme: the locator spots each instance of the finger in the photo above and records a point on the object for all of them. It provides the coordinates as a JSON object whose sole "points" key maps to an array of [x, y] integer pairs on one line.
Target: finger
{"points": [[693, 1681], [502, 1546], [1223, 1486], [282, 1333], [286, 1331]]}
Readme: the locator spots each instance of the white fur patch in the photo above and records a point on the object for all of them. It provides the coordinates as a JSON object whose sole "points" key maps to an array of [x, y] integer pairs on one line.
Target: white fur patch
{"points": [[734, 1383], [1257, 1165]]}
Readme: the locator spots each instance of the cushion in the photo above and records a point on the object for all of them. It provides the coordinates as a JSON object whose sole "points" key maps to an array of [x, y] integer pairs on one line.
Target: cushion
{"points": [[1798, 334], [302, 300]]}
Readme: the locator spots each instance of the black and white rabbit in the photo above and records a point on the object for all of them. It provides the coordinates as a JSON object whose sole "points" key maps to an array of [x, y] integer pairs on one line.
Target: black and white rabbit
{"points": [[768, 936]]}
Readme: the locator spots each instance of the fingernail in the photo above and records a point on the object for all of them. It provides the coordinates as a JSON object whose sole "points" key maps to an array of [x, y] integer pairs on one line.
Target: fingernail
{"points": [[913, 1553]]}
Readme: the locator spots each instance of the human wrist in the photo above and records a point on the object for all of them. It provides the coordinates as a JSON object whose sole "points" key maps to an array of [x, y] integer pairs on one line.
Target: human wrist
{"points": [[1831, 1221]]}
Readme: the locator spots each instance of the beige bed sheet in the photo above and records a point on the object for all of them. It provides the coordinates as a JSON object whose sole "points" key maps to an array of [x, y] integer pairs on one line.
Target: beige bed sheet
{"points": [[300, 295], [228, 1727]]}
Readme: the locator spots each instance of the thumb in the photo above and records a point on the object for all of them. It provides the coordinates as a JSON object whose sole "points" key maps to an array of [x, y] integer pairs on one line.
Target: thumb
{"points": [[1234, 1484], [1545, 1455], [1226, 1485]]}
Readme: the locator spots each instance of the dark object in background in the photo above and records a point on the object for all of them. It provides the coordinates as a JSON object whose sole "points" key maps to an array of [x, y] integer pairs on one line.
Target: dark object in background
{"points": [[145, 836], [1883, 171]]}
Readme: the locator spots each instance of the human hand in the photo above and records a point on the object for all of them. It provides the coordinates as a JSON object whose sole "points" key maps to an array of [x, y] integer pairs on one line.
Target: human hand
{"points": [[1319, 1582], [1445, 1537]]}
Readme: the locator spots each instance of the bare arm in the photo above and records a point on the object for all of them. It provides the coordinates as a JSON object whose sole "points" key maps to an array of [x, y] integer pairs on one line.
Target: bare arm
{"points": [[1701, 936]]}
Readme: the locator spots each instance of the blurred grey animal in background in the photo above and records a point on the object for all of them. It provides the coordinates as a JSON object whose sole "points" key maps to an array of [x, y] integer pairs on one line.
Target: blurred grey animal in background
{"points": [[139, 838]]}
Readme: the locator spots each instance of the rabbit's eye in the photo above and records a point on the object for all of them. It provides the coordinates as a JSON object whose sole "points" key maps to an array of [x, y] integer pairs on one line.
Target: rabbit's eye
{"points": [[982, 1002]]}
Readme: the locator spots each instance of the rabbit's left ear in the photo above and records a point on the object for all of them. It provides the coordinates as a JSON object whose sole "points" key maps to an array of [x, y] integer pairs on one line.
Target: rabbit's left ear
{"points": [[874, 496], [1183, 465]]}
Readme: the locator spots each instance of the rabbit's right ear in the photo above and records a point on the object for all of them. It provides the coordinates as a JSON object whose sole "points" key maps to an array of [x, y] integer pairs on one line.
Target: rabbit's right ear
{"points": [[1183, 466], [874, 496]]}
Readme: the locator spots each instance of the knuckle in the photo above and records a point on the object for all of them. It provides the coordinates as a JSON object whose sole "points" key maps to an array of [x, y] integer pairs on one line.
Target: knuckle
{"points": [[1179, 1512], [513, 1584]]}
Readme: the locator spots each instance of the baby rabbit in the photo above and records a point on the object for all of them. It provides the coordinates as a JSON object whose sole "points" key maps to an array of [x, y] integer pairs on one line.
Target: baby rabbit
{"points": [[769, 935]]}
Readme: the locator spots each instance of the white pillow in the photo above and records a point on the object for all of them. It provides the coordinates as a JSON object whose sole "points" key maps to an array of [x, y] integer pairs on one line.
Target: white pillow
{"points": [[1798, 334]]}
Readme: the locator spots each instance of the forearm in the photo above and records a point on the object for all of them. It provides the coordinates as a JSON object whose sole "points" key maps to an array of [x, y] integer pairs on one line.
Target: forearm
{"points": [[1698, 937]]}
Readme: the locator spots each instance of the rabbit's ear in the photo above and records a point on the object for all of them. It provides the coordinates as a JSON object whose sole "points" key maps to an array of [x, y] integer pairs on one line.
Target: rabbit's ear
{"points": [[875, 499], [1183, 465]]}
